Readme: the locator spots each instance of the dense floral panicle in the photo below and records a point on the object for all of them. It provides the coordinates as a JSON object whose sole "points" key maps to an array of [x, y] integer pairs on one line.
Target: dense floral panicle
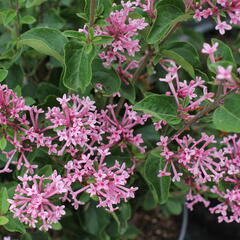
{"points": [[204, 163], [231, 157], [107, 183], [32, 202], [200, 159], [75, 122], [182, 90], [10, 106], [123, 29], [218, 9], [13, 116], [229, 209], [122, 132]]}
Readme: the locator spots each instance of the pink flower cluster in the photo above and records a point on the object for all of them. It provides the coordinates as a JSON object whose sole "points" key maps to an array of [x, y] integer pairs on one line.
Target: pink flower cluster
{"points": [[199, 163], [106, 183], [122, 28], [122, 132], [83, 134], [184, 92], [218, 9], [32, 202]]}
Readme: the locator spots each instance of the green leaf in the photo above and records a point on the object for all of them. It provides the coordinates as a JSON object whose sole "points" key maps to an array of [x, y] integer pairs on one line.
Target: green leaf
{"points": [[4, 204], [14, 225], [174, 205], [3, 74], [28, 19], [3, 143], [224, 52], [29, 101], [74, 34], [108, 77], [180, 4], [47, 41], [26, 236], [227, 117], [33, 3], [3, 220], [102, 39], [159, 186], [7, 16], [56, 226], [78, 66], [161, 107], [95, 220], [167, 17], [128, 92], [46, 171], [183, 62]]}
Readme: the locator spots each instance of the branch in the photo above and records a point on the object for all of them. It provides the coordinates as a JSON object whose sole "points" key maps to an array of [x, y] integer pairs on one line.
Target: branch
{"points": [[209, 108]]}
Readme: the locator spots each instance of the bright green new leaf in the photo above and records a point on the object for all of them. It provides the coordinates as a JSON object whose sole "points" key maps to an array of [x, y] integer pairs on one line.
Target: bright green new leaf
{"points": [[74, 34], [28, 19], [47, 41], [56, 226], [3, 220]]}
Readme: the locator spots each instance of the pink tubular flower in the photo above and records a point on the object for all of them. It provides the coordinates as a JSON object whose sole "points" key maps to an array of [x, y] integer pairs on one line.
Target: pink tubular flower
{"points": [[193, 199], [224, 73], [32, 200], [147, 6], [210, 50], [107, 183], [222, 27], [158, 125], [121, 133], [169, 158], [224, 77]]}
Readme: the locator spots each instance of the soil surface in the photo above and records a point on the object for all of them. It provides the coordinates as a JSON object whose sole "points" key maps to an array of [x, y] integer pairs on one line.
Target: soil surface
{"points": [[155, 226]]}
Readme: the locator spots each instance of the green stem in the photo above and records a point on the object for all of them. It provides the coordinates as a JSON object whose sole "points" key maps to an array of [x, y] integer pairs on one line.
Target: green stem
{"points": [[92, 13]]}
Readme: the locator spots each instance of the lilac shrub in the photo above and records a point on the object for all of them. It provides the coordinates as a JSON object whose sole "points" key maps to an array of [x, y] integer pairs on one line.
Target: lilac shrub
{"points": [[117, 116]]}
